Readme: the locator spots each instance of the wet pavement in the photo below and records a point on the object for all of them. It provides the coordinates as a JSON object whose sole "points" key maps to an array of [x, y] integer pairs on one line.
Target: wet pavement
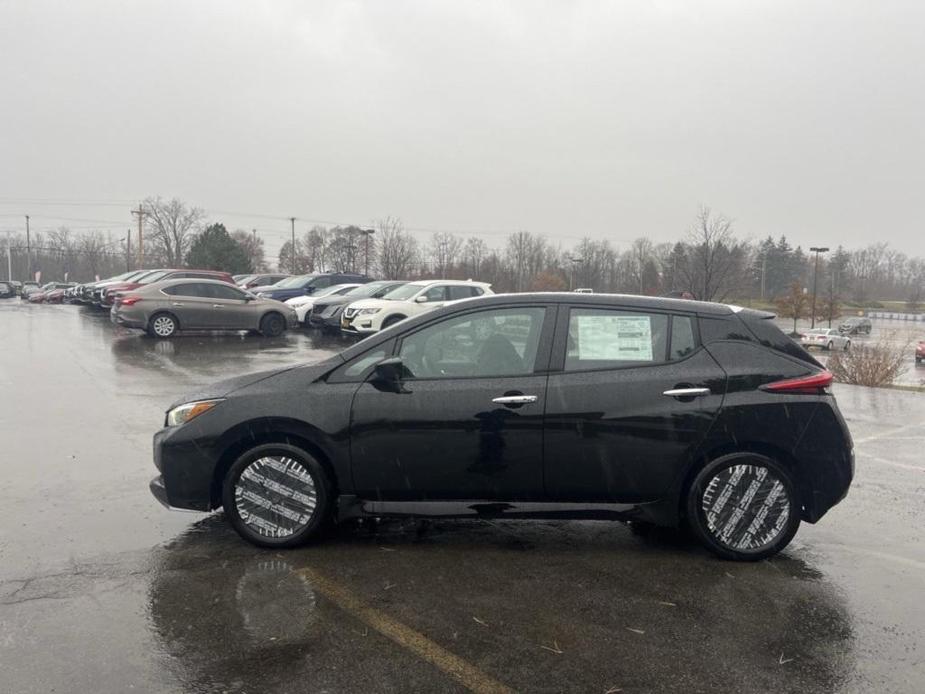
{"points": [[103, 590]]}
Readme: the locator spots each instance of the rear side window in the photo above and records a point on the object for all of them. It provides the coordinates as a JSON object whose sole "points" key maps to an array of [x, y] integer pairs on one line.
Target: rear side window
{"points": [[769, 335], [462, 292], [605, 339], [192, 289], [682, 337]]}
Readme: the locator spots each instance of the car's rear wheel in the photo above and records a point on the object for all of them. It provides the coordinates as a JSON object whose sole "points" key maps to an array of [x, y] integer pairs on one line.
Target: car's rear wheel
{"points": [[847, 345], [744, 507], [162, 325], [272, 325], [276, 495], [828, 347]]}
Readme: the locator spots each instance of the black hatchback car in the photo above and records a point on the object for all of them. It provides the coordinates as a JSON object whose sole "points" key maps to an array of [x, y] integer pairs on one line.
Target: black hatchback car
{"points": [[531, 405]]}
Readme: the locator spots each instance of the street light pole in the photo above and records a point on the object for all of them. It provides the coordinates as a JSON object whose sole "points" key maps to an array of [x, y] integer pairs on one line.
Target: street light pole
{"points": [[817, 250], [571, 274], [367, 233]]}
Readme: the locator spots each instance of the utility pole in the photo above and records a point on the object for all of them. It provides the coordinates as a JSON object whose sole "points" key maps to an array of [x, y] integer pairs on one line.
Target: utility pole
{"points": [[817, 250], [28, 251], [571, 274], [128, 250], [141, 236], [9, 255], [764, 270], [292, 247]]}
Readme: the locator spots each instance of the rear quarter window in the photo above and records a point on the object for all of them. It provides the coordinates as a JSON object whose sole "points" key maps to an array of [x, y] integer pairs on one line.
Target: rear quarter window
{"points": [[769, 335]]}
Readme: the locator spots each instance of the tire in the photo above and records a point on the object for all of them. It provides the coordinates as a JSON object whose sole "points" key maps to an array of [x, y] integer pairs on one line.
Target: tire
{"points": [[847, 345], [255, 479], [272, 325], [828, 347], [717, 493], [391, 320], [163, 325]]}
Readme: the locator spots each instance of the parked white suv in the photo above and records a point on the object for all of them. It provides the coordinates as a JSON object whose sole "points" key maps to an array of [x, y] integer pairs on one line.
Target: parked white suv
{"points": [[372, 315]]}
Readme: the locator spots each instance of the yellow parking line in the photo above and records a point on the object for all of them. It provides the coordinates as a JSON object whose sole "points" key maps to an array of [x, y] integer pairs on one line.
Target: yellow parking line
{"points": [[467, 674]]}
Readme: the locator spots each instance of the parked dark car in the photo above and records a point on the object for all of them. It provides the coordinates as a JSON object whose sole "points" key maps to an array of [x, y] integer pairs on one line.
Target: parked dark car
{"points": [[7, 290], [108, 293], [29, 288], [304, 285], [252, 282], [526, 405], [326, 312], [90, 292], [856, 325], [163, 308]]}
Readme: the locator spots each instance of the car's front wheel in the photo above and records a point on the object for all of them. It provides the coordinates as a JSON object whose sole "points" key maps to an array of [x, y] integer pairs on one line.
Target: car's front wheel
{"points": [[744, 507], [276, 495], [272, 325]]}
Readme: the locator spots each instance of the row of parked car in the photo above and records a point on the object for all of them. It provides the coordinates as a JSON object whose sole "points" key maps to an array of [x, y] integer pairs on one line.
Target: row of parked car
{"points": [[165, 301]]}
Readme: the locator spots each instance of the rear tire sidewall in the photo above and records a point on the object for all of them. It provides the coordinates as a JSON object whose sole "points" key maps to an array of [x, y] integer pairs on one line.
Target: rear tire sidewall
{"points": [[153, 333], [322, 494], [272, 325], [697, 520]]}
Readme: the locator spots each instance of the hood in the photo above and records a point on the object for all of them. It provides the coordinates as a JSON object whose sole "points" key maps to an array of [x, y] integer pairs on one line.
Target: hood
{"points": [[228, 386], [372, 303], [299, 300]]}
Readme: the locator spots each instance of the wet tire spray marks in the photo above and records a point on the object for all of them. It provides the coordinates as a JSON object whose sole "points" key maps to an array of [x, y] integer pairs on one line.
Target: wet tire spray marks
{"points": [[746, 507], [275, 496]]}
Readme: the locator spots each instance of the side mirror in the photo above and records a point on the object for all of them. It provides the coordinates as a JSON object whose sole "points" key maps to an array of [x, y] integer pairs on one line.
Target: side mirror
{"points": [[389, 370], [421, 299]]}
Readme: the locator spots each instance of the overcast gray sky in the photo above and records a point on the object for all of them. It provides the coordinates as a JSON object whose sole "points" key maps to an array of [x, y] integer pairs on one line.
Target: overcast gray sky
{"points": [[606, 119]]}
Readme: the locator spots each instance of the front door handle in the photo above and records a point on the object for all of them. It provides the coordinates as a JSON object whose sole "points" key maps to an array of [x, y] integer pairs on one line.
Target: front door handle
{"points": [[686, 392], [514, 399], [176, 303], [216, 305]]}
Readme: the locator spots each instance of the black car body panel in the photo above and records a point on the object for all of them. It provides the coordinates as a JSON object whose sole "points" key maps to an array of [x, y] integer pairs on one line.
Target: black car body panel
{"points": [[599, 441]]}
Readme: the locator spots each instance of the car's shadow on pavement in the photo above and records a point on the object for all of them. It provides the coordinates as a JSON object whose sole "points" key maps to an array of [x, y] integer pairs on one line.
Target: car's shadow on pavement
{"points": [[538, 606]]}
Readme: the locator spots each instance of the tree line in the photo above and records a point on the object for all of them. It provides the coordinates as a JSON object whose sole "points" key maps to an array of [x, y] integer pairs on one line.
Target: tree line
{"points": [[709, 261]]}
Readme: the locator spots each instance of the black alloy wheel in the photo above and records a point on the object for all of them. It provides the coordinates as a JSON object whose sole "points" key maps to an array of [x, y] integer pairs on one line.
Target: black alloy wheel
{"points": [[272, 325], [276, 495], [744, 507]]}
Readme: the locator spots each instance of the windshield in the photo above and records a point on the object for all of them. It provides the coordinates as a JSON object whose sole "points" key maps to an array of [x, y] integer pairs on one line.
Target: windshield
{"points": [[151, 277], [403, 293], [292, 282], [367, 289]]}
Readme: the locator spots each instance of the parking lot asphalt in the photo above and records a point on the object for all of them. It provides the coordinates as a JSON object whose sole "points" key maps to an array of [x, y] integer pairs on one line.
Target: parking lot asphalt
{"points": [[103, 590]]}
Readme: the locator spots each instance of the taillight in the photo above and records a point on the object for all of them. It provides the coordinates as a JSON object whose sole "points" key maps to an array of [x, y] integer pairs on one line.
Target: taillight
{"points": [[814, 384], [128, 300]]}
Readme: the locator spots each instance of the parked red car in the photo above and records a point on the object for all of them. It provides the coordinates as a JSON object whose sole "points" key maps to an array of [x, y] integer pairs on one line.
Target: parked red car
{"points": [[108, 293], [56, 295], [920, 352], [49, 290]]}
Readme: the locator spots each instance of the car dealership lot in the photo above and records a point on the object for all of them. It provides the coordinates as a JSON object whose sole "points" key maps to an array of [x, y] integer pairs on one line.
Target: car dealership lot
{"points": [[103, 590]]}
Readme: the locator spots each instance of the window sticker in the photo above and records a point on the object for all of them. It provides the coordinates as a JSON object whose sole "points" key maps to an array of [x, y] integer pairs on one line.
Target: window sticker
{"points": [[615, 338]]}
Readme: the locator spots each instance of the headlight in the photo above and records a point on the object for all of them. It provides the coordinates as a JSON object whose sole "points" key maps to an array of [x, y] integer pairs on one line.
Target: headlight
{"points": [[181, 414], [369, 311]]}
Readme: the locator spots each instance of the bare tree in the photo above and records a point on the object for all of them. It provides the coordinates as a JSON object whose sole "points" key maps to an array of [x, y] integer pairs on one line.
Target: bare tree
{"points": [[170, 226], [473, 254], [525, 253], [92, 248], [716, 262], [444, 250], [641, 254], [397, 250], [794, 304]]}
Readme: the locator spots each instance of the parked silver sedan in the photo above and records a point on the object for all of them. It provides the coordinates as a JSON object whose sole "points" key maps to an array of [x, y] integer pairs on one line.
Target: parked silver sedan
{"points": [[825, 338], [163, 308]]}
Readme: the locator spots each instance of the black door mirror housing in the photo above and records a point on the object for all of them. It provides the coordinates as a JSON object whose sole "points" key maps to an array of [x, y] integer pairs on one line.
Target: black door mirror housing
{"points": [[389, 370]]}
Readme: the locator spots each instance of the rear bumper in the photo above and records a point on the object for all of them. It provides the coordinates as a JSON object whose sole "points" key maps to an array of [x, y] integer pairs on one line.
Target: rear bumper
{"points": [[126, 321]]}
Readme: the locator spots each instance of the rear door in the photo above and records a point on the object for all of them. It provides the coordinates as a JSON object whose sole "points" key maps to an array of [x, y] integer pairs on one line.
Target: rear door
{"points": [[191, 304], [631, 395]]}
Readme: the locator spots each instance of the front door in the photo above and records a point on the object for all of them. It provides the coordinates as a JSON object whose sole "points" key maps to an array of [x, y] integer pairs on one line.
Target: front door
{"points": [[230, 309], [630, 398], [468, 422]]}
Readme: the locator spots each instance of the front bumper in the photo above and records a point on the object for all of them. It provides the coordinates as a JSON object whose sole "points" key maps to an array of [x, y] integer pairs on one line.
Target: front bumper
{"points": [[186, 468], [158, 491], [358, 325]]}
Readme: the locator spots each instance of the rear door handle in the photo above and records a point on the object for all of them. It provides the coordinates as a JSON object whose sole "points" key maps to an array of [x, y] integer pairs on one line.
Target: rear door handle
{"points": [[686, 392], [514, 399], [216, 305]]}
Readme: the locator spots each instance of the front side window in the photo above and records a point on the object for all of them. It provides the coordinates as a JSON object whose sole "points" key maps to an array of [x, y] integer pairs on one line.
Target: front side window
{"points": [[218, 291], [193, 289], [501, 342], [320, 282], [403, 293], [602, 339], [437, 293]]}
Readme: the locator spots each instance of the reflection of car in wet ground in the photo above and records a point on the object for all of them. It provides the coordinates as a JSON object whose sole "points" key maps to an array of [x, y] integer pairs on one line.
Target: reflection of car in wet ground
{"points": [[920, 352], [163, 308], [825, 338], [856, 325], [592, 406]]}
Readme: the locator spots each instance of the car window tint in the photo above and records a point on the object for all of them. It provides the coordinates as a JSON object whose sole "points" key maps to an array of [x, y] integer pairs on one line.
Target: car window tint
{"points": [[682, 337], [360, 365], [461, 292], [320, 282], [192, 289], [600, 339], [502, 342], [437, 293], [218, 291]]}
